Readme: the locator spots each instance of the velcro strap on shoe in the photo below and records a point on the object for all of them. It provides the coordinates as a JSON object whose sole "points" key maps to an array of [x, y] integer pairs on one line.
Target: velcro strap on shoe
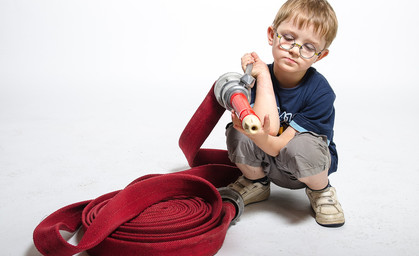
{"points": [[325, 201]]}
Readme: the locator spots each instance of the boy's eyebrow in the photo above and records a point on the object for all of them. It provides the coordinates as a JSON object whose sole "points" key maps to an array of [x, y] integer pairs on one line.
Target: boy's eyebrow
{"points": [[315, 43], [286, 31]]}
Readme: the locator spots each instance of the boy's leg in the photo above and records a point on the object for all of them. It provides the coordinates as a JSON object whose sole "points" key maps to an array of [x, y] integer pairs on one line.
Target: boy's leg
{"points": [[251, 172], [308, 158], [317, 181], [254, 185]]}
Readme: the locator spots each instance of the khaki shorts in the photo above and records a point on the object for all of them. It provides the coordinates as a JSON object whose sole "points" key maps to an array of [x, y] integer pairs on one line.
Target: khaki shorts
{"points": [[307, 154]]}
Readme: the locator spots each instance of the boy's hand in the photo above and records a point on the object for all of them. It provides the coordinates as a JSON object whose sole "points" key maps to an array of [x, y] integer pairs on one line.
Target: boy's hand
{"points": [[259, 66]]}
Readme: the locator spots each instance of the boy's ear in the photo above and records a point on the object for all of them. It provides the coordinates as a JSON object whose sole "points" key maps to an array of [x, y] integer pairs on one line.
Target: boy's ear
{"points": [[271, 34], [324, 53]]}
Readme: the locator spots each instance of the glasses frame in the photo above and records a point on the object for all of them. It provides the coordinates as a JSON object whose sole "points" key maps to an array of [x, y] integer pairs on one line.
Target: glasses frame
{"points": [[300, 46]]}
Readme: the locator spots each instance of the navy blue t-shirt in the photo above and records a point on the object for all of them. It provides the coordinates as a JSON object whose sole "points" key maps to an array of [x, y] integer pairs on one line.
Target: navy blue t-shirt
{"points": [[307, 107]]}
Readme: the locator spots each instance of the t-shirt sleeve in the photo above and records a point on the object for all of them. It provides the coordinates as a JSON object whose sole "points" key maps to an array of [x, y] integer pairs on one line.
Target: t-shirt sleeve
{"points": [[318, 115]]}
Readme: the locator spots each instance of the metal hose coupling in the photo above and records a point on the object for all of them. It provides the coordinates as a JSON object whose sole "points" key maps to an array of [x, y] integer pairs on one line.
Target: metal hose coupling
{"points": [[232, 91], [234, 197]]}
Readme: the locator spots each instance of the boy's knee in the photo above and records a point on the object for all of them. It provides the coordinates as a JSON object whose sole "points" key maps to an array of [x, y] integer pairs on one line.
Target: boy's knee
{"points": [[306, 155], [241, 149]]}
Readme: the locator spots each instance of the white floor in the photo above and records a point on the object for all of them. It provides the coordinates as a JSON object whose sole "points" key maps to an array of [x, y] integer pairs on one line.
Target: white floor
{"points": [[93, 96]]}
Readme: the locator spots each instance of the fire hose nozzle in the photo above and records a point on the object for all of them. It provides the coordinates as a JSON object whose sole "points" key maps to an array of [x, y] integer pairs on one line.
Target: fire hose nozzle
{"points": [[251, 124]]}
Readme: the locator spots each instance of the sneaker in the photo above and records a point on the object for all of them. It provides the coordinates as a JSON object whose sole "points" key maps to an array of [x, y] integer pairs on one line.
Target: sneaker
{"points": [[251, 192], [325, 204]]}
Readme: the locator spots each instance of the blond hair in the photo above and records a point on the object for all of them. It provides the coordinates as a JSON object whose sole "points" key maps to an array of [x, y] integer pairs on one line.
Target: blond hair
{"points": [[304, 13]]}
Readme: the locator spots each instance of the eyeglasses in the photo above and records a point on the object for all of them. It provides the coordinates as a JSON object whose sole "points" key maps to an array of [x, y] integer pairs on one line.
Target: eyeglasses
{"points": [[307, 50]]}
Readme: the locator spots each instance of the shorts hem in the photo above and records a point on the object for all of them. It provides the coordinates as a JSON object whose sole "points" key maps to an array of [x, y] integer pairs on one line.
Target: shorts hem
{"points": [[309, 172], [246, 161]]}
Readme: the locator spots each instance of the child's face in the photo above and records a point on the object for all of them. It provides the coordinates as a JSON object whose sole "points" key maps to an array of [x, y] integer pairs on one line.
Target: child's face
{"points": [[291, 60]]}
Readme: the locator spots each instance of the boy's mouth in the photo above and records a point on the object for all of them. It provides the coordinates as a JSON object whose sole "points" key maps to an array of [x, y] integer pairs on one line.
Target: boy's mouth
{"points": [[290, 60]]}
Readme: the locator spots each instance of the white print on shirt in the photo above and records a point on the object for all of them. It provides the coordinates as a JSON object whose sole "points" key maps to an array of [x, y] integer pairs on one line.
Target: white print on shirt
{"points": [[285, 117]]}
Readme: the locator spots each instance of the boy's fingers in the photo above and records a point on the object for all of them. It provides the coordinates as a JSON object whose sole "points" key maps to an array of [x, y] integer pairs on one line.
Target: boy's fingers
{"points": [[255, 56], [248, 57], [234, 118], [246, 60]]}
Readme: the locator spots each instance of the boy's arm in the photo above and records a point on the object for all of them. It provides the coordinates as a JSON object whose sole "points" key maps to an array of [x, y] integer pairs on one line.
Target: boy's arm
{"points": [[265, 101], [271, 145]]}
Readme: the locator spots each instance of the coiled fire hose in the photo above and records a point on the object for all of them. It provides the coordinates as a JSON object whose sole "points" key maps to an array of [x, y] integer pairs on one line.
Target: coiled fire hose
{"points": [[180, 214]]}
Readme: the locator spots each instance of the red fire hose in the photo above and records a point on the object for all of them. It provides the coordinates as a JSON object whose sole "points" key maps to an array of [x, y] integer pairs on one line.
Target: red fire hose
{"points": [[171, 214]]}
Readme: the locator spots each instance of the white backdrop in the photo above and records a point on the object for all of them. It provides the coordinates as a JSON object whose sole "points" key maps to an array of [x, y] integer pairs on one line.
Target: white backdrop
{"points": [[94, 94]]}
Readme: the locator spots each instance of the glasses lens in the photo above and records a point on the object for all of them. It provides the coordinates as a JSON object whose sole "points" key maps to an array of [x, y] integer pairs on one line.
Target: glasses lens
{"points": [[307, 51], [286, 42]]}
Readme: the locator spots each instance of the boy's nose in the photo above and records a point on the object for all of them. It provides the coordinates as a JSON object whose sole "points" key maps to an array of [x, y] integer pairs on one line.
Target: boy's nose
{"points": [[295, 50]]}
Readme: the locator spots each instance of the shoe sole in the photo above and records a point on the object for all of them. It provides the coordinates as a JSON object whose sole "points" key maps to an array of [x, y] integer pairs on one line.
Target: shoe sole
{"points": [[333, 225]]}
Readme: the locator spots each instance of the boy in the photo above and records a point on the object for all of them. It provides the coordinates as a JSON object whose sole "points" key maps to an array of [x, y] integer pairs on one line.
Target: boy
{"points": [[295, 147]]}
